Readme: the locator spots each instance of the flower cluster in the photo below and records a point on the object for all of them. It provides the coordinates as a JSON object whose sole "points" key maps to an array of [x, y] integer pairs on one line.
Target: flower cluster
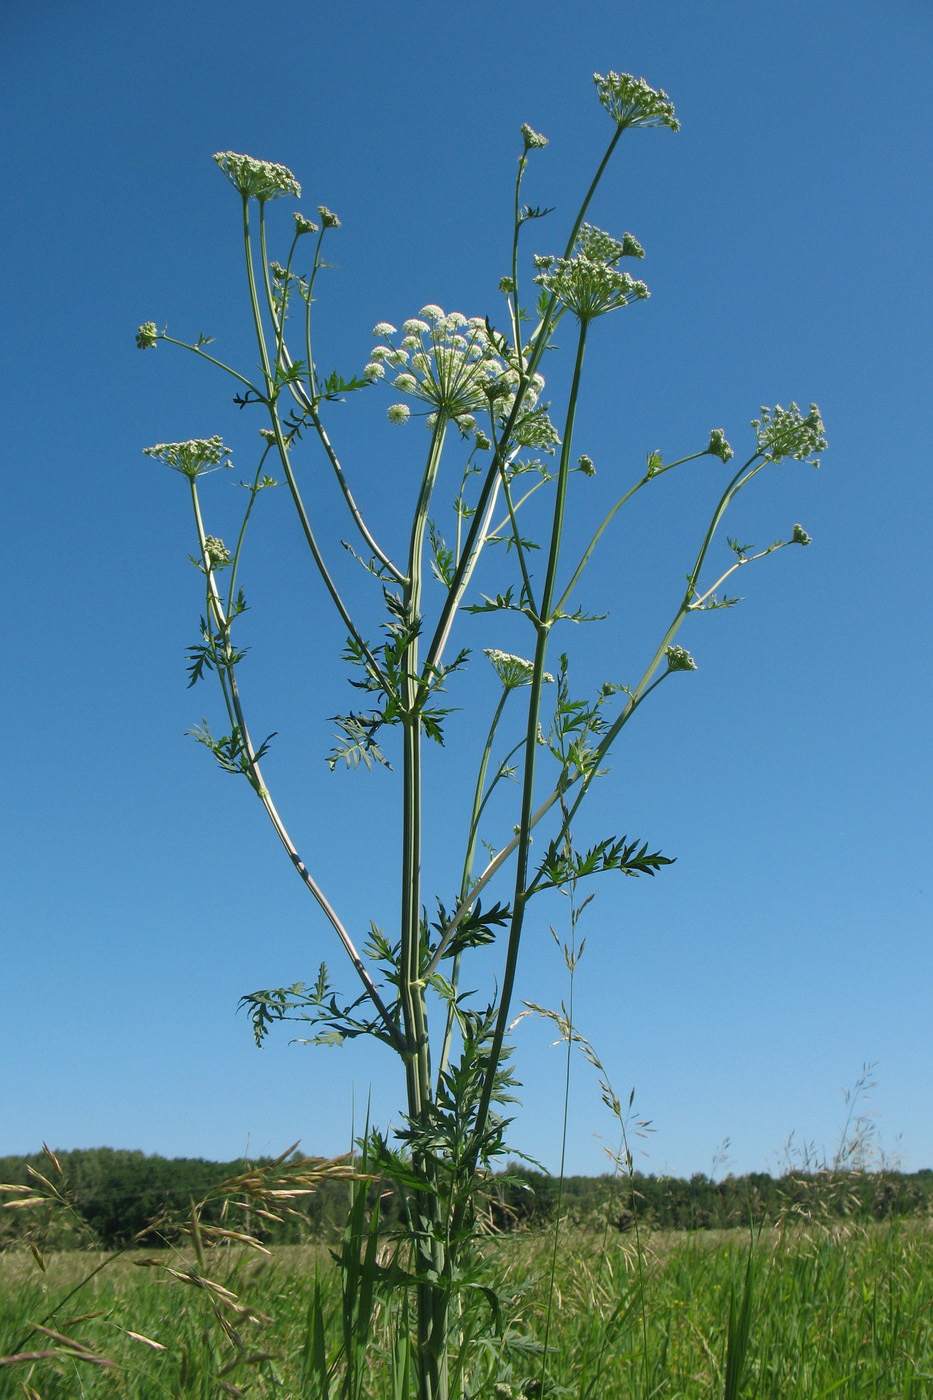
{"points": [[218, 554], [597, 245], [449, 363], [679, 660], [784, 432], [800, 536], [147, 335], [192, 458], [533, 139], [718, 447], [258, 178], [588, 288], [513, 670], [589, 284], [631, 102], [303, 225]]}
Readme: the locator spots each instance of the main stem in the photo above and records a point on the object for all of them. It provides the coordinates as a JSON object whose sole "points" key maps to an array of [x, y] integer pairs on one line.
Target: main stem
{"points": [[520, 896], [429, 1251]]}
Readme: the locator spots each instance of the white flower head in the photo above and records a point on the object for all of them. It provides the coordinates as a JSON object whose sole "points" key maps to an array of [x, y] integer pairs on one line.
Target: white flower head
{"points": [[382, 328], [679, 660], [784, 432], [431, 312], [259, 179], [399, 413], [588, 287], [631, 102], [513, 670], [193, 458], [373, 371], [147, 335]]}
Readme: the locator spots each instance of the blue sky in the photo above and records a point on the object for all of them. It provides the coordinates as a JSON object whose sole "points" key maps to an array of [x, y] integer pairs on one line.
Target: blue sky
{"points": [[742, 990]]}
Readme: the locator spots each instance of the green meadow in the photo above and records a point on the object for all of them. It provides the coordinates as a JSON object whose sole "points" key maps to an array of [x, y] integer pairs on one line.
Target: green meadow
{"points": [[838, 1310]]}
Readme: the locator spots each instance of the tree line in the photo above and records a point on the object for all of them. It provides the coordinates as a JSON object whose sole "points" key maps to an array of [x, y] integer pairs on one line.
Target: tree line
{"points": [[110, 1197]]}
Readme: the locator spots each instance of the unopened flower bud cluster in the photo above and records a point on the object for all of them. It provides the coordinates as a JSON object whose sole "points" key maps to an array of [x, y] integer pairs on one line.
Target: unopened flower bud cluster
{"points": [[533, 139], [147, 335], [718, 447], [217, 552]]}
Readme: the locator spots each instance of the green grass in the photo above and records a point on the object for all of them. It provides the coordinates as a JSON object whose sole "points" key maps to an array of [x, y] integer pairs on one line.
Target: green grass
{"points": [[844, 1314]]}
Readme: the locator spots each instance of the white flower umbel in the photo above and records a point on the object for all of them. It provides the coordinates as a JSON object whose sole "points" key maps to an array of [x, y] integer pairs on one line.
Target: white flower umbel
{"points": [[451, 361], [399, 413], [193, 458], [589, 288], [679, 660], [513, 670], [259, 179], [631, 102], [599, 246], [784, 432]]}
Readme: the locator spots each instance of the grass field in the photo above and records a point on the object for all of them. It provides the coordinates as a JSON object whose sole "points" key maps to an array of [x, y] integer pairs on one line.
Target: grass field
{"points": [[847, 1314]]}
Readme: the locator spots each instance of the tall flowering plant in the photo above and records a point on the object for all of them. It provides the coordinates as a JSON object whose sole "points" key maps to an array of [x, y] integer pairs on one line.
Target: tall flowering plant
{"points": [[480, 390]]}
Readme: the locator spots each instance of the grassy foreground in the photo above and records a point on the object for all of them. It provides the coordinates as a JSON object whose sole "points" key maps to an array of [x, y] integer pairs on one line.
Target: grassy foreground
{"points": [[845, 1314]]}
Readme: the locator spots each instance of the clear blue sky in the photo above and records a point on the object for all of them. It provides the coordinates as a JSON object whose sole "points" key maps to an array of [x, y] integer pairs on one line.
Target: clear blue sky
{"points": [[786, 229]]}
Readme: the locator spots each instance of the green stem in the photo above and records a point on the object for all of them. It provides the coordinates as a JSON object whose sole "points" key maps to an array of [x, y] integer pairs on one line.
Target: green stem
{"points": [[259, 786], [373, 665], [196, 350], [411, 988], [520, 896], [478, 804], [647, 682], [615, 509], [254, 303], [517, 541], [351, 503]]}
